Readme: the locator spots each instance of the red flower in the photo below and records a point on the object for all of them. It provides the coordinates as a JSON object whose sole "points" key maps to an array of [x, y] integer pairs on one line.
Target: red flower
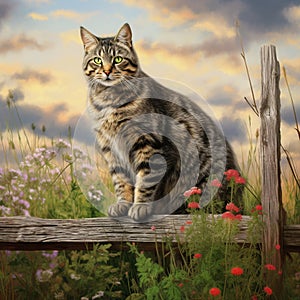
{"points": [[277, 247], [180, 284], [254, 297], [268, 290], [230, 206], [193, 205], [188, 222], [216, 183], [270, 267], [214, 291], [239, 217], [279, 272], [197, 255], [182, 228], [192, 191], [228, 215], [231, 173], [239, 180], [258, 207], [237, 271]]}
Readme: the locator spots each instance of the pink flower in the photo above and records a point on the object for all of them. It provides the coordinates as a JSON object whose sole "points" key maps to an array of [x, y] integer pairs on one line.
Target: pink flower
{"points": [[193, 205], [268, 290], [192, 191], [270, 267], [216, 183], [197, 255], [277, 247], [232, 207], [153, 228], [214, 291], [231, 173], [237, 271]]}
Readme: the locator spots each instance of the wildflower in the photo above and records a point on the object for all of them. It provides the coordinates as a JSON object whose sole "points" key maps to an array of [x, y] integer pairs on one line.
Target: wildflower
{"points": [[231, 173], [279, 272], [193, 205], [188, 222], [237, 271], [268, 290], [75, 276], [43, 275], [232, 207], [182, 228], [239, 180], [180, 284], [270, 267], [228, 215], [254, 297], [216, 183], [192, 191], [214, 291], [197, 255], [153, 228], [258, 207], [239, 217], [277, 247]]}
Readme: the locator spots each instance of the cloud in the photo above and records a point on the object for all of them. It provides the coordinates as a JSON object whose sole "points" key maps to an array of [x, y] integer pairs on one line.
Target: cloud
{"points": [[38, 17], [6, 9], [287, 114], [30, 74], [72, 15], [234, 129], [218, 16], [20, 42], [54, 119]]}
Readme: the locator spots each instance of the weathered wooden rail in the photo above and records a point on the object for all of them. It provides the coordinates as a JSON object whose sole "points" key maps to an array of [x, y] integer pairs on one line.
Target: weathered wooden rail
{"points": [[26, 233]]}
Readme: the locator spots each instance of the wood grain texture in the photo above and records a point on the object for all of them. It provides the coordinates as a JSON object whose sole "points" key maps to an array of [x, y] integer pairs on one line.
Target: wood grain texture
{"points": [[270, 161], [27, 233]]}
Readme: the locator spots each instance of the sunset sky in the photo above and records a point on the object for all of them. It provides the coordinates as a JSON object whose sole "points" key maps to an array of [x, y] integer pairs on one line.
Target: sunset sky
{"points": [[190, 42]]}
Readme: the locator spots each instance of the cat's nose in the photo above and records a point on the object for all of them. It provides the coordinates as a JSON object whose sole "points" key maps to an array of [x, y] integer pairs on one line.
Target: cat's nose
{"points": [[107, 72]]}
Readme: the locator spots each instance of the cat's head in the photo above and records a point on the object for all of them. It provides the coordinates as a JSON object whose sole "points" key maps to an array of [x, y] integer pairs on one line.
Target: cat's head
{"points": [[108, 61]]}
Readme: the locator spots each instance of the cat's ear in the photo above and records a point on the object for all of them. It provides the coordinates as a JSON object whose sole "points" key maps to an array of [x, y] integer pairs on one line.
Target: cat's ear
{"points": [[124, 35], [89, 40]]}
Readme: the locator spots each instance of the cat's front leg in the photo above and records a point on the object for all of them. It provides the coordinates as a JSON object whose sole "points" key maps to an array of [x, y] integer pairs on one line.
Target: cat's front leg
{"points": [[124, 191], [143, 200], [147, 183]]}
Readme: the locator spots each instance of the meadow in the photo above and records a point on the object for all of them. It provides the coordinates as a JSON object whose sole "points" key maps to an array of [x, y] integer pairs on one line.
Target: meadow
{"points": [[39, 179]]}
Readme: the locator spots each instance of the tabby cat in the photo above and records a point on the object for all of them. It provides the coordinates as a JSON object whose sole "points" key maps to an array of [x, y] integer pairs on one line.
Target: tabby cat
{"points": [[156, 142]]}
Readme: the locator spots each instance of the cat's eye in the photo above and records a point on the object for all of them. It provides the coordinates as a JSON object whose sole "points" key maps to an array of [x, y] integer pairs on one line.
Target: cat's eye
{"points": [[118, 59], [97, 61]]}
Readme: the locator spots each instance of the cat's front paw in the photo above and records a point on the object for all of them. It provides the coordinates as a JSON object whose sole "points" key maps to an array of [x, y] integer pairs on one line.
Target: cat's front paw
{"points": [[140, 211], [119, 209]]}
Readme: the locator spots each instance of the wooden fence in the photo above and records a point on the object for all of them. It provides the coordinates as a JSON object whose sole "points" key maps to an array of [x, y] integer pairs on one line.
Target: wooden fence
{"points": [[24, 233]]}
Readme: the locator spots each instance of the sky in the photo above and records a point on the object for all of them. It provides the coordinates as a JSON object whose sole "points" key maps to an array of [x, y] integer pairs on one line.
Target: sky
{"points": [[189, 43]]}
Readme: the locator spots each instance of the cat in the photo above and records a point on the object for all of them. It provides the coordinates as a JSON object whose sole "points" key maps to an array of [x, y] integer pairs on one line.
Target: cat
{"points": [[157, 143]]}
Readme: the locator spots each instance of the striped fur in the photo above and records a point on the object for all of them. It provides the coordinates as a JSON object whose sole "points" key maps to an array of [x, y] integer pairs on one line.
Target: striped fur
{"points": [[157, 143]]}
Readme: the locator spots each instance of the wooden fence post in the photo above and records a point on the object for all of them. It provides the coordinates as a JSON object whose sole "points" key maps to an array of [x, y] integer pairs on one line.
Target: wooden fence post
{"points": [[270, 164]]}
